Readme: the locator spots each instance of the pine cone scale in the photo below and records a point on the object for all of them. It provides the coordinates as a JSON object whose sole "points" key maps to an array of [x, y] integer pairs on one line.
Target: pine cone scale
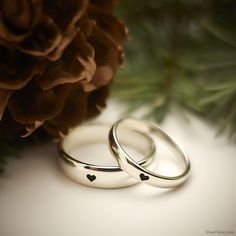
{"points": [[17, 68], [4, 97], [56, 55], [32, 104], [67, 70]]}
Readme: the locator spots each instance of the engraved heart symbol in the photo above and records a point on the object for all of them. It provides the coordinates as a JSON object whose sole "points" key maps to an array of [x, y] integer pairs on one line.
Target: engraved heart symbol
{"points": [[143, 177], [91, 177]]}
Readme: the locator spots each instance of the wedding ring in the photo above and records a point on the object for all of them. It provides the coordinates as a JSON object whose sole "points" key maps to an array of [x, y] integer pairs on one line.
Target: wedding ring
{"points": [[128, 164], [102, 176]]}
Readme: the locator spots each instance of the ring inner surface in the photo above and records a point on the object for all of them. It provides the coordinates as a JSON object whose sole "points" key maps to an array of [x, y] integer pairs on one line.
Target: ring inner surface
{"points": [[171, 160], [89, 145]]}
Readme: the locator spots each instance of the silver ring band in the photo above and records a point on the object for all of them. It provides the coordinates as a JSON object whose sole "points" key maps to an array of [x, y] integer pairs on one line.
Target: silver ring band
{"points": [[102, 176], [128, 164]]}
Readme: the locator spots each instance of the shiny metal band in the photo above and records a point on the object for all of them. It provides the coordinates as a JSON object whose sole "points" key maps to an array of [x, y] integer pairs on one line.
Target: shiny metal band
{"points": [[97, 175], [128, 164]]}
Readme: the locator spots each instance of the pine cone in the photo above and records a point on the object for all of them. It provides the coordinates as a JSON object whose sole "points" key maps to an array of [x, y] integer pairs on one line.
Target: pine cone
{"points": [[57, 60]]}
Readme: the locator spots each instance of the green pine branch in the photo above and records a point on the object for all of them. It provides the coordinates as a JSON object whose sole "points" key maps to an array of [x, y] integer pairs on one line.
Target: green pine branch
{"points": [[182, 54]]}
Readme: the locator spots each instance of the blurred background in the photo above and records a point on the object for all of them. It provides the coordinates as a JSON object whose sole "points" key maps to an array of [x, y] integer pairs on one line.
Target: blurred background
{"points": [[181, 55]]}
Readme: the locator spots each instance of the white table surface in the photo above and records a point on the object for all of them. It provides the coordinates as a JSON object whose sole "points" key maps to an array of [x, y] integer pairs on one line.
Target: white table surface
{"points": [[36, 199]]}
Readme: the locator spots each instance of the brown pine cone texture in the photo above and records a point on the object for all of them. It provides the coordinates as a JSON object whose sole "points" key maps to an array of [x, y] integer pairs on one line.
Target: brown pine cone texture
{"points": [[57, 61]]}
